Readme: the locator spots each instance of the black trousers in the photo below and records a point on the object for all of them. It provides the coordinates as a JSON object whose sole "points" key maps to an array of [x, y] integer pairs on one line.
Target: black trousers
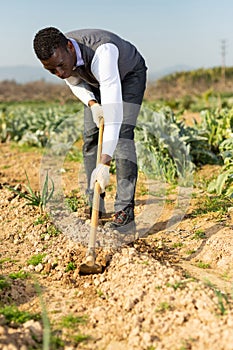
{"points": [[133, 87]]}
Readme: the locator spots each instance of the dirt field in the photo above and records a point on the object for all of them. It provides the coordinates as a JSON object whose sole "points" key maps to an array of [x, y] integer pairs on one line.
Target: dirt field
{"points": [[171, 289]]}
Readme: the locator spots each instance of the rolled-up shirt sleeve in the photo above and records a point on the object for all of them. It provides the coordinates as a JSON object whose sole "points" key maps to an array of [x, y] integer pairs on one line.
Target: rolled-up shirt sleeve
{"points": [[105, 68]]}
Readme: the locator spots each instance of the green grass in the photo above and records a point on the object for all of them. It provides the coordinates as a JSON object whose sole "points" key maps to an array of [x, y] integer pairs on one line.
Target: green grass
{"points": [[79, 338], [75, 201], [36, 259], [177, 285], [178, 245], [53, 231], [99, 293], [71, 321], [71, 266], [35, 198], [42, 219], [199, 234], [13, 314], [191, 251], [3, 283], [2, 261], [25, 148], [202, 265], [212, 204], [163, 306], [19, 275], [222, 299]]}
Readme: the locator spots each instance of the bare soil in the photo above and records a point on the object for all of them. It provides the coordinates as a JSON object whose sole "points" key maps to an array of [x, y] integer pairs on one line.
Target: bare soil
{"points": [[169, 289]]}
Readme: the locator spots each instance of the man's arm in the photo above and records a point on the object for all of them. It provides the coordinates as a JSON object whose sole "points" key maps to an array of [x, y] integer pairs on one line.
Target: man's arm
{"points": [[81, 91], [105, 68]]}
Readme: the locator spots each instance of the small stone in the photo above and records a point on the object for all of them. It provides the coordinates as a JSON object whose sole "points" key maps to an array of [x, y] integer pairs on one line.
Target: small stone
{"points": [[39, 267]]}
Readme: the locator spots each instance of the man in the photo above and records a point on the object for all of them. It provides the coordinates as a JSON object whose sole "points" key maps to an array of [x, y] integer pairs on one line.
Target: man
{"points": [[108, 74]]}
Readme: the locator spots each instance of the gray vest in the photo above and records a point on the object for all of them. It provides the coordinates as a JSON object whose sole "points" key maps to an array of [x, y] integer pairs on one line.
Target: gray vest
{"points": [[90, 39]]}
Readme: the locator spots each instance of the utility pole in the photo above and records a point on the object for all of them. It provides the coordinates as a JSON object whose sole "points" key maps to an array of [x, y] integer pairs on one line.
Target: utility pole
{"points": [[223, 54]]}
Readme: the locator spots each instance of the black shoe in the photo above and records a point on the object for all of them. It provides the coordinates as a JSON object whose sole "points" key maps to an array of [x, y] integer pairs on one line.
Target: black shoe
{"points": [[124, 221]]}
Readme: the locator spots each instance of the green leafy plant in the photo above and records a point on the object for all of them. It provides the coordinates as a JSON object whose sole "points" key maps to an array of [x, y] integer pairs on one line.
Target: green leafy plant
{"points": [[36, 199], [203, 265], [70, 266], [19, 275], [224, 182], [42, 219], [199, 234], [53, 231], [163, 306], [215, 204], [13, 314], [162, 150], [79, 338], [3, 283], [36, 259], [71, 321]]}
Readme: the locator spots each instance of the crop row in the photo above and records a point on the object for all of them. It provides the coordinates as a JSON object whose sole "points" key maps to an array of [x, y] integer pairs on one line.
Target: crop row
{"points": [[166, 146]]}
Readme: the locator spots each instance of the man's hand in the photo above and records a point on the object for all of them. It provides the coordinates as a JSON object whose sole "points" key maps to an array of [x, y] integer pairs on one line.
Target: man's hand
{"points": [[97, 113], [100, 174]]}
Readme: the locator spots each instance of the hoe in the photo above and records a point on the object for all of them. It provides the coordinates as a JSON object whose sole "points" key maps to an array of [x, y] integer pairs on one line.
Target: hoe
{"points": [[89, 266]]}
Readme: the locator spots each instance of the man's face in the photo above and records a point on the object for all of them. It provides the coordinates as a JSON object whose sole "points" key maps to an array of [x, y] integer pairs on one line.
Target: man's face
{"points": [[62, 61]]}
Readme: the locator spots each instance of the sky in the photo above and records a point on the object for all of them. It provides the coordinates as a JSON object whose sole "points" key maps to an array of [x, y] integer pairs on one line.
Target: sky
{"points": [[167, 32]]}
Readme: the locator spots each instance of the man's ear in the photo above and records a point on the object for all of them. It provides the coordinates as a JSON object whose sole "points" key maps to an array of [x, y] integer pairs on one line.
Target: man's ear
{"points": [[70, 46]]}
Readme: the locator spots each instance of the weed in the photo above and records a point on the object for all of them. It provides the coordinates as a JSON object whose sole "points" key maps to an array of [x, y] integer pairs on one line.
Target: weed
{"points": [[42, 219], [75, 201], [19, 275], [72, 203], [146, 262], [221, 297], [202, 265], [199, 234], [35, 198], [56, 342], [74, 155], [13, 314], [163, 306], [2, 261], [226, 276], [178, 245], [79, 338], [36, 259], [191, 251], [45, 319], [3, 283], [53, 231], [176, 285], [71, 321], [158, 287], [99, 293], [208, 204], [70, 267]]}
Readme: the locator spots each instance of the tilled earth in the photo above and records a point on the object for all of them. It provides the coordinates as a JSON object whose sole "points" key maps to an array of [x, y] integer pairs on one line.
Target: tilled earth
{"points": [[169, 289]]}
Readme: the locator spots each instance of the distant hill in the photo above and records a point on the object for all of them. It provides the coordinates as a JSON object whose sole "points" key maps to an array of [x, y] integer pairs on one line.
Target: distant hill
{"points": [[27, 74], [193, 82], [34, 83], [153, 76]]}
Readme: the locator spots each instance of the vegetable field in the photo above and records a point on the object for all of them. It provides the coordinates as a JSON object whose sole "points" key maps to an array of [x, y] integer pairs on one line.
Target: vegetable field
{"points": [[170, 289]]}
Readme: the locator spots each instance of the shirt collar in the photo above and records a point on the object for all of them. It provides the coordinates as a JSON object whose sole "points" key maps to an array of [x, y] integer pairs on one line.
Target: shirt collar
{"points": [[79, 61]]}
